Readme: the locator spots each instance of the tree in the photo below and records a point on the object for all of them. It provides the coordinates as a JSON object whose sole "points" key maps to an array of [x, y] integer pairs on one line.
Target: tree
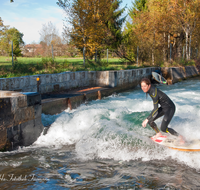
{"points": [[49, 36], [187, 14], [8, 36], [94, 24], [1, 26]]}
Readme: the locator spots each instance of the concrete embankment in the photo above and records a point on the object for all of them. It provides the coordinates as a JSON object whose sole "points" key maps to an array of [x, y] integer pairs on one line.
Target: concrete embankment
{"points": [[105, 83], [20, 119], [20, 114]]}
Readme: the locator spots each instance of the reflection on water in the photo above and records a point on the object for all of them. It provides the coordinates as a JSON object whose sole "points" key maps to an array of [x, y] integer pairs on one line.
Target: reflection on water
{"points": [[103, 146]]}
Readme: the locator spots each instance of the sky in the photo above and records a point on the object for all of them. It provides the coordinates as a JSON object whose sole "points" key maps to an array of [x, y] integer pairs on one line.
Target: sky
{"points": [[28, 16]]}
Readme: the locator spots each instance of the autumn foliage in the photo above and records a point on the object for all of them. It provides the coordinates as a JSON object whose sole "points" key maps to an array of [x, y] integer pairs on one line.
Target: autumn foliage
{"points": [[165, 30]]}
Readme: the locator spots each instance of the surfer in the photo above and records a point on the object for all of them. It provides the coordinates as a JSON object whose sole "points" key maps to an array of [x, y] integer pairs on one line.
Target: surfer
{"points": [[166, 109]]}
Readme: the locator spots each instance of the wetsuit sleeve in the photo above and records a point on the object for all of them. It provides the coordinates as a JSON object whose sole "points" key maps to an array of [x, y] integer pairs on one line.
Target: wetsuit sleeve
{"points": [[154, 96]]}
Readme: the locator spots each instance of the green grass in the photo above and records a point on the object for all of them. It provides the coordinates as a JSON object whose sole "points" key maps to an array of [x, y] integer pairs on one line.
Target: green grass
{"points": [[32, 66]]}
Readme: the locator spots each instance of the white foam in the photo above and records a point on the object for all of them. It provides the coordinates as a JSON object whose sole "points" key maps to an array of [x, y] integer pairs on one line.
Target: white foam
{"points": [[111, 128]]}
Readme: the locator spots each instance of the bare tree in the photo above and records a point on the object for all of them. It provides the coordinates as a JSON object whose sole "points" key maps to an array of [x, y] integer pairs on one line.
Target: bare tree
{"points": [[48, 36]]}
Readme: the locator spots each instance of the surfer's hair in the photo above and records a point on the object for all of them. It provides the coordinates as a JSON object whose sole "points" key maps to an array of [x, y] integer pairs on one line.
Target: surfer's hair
{"points": [[146, 80]]}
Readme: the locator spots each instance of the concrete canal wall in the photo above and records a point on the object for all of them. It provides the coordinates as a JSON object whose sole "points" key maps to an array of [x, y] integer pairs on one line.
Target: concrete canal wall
{"points": [[20, 119], [176, 74], [20, 112], [69, 80]]}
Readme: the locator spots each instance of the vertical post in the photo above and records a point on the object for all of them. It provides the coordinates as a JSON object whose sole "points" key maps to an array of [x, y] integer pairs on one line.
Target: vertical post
{"points": [[84, 56], [137, 55], [84, 51], [170, 52], [12, 54], [52, 52], [38, 84], [107, 55]]}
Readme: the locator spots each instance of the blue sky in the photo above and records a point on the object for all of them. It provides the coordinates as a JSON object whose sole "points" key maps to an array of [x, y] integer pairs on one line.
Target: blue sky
{"points": [[28, 16]]}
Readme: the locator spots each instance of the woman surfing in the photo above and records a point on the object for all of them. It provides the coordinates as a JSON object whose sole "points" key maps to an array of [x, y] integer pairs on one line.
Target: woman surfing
{"points": [[166, 109]]}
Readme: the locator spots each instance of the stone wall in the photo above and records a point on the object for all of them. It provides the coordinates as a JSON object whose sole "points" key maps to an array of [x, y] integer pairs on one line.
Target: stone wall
{"points": [[69, 80], [176, 74], [20, 119]]}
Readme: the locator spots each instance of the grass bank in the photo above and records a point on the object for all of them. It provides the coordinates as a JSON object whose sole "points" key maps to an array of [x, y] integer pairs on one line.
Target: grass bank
{"points": [[33, 66], [24, 66]]}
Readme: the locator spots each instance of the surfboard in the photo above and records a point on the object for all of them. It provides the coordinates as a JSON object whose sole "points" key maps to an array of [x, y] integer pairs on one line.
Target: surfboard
{"points": [[173, 143], [159, 78]]}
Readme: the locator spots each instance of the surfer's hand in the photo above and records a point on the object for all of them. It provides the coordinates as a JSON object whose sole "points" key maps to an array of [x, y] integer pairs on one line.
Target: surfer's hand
{"points": [[144, 123]]}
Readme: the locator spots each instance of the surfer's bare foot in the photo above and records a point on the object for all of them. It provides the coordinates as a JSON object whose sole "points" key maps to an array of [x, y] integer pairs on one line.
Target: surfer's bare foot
{"points": [[157, 135], [181, 139]]}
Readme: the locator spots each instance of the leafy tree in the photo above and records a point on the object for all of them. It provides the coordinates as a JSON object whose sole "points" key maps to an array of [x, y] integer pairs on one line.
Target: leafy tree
{"points": [[8, 36], [94, 24]]}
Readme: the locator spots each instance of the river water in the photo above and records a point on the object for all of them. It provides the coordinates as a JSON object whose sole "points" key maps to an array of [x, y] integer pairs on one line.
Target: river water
{"points": [[102, 145]]}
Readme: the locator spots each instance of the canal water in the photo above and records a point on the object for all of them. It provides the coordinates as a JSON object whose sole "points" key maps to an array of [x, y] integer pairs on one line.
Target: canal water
{"points": [[102, 145]]}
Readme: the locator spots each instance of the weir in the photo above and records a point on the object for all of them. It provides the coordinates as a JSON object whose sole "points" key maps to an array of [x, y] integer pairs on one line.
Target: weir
{"points": [[20, 114]]}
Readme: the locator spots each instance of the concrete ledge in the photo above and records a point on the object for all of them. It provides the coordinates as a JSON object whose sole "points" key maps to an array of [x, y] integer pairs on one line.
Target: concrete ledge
{"points": [[120, 80], [176, 74], [20, 119]]}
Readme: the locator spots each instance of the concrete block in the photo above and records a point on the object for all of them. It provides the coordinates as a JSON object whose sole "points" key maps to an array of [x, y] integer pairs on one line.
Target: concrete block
{"points": [[27, 89], [18, 117], [134, 73], [5, 84], [33, 80], [46, 88], [24, 82], [56, 87], [33, 88], [42, 79], [177, 74], [48, 79], [54, 78], [75, 101], [28, 113], [14, 103], [3, 138], [22, 101], [38, 110], [14, 83], [148, 71], [60, 77], [92, 82], [14, 136], [54, 107], [38, 126], [77, 75], [28, 132], [33, 98], [72, 76], [74, 84], [92, 75], [8, 120], [5, 106], [66, 76], [91, 96]]}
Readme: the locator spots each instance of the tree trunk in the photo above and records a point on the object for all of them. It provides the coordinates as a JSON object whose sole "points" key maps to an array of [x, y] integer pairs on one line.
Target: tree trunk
{"points": [[153, 48], [168, 52], [164, 49], [186, 45], [190, 50]]}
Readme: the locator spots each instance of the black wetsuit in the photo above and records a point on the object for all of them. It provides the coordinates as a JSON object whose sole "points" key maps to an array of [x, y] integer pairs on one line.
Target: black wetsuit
{"points": [[167, 109]]}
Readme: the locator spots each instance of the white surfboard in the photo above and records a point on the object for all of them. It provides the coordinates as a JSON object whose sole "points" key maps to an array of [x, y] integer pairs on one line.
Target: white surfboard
{"points": [[159, 78], [175, 144]]}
